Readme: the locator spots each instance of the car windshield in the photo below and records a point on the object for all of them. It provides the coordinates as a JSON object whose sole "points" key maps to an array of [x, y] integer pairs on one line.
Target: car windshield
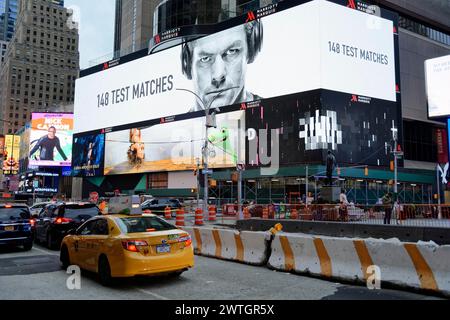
{"points": [[74, 211], [14, 214], [143, 224]]}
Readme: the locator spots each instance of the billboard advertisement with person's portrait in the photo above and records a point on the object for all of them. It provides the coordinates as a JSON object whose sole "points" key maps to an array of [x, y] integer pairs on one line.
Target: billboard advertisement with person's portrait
{"points": [[315, 45], [88, 155], [51, 139]]}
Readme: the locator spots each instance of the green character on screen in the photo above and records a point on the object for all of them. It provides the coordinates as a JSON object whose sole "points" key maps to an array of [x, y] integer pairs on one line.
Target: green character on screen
{"points": [[221, 139]]}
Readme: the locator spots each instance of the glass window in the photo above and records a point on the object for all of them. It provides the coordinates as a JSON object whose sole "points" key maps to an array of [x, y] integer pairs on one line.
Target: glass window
{"points": [[87, 228], [143, 224]]}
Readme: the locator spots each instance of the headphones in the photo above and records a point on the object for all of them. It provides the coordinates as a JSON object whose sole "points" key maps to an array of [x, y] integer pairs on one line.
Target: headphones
{"points": [[254, 33]]}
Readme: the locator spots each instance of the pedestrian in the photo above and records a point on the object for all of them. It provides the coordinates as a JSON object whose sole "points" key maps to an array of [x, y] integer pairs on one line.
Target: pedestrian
{"points": [[387, 203], [343, 207]]}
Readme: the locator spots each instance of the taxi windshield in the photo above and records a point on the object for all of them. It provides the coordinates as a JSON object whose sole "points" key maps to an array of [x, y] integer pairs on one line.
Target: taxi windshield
{"points": [[143, 224]]}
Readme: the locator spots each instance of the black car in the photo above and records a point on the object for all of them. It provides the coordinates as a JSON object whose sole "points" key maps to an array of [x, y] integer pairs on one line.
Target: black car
{"points": [[55, 220], [15, 225], [157, 206]]}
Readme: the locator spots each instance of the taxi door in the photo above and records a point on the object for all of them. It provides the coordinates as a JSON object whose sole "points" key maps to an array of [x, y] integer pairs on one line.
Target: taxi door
{"points": [[80, 241], [95, 243]]}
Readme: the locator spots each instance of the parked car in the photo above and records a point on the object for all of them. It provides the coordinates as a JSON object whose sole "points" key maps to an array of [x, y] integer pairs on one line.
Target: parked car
{"points": [[37, 208], [157, 206], [55, 220], [15, 225]]}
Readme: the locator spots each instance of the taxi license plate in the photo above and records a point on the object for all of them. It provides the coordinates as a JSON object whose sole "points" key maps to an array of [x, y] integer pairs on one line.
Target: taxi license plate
{"points": [[9, 228], [163, 248]]}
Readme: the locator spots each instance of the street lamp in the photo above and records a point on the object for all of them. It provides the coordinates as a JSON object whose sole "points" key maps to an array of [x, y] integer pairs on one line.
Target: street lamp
{"points": [[209, 122]]}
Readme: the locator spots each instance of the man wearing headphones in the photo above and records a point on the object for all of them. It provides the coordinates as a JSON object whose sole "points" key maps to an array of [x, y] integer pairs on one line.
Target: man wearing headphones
{"points": [[217, 64]]}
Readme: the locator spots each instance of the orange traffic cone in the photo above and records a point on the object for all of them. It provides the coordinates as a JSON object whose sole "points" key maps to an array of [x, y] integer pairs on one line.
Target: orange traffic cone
{"points": [[198, 217], [180, 218], [265, 214], [167, 213], [212, 213]]}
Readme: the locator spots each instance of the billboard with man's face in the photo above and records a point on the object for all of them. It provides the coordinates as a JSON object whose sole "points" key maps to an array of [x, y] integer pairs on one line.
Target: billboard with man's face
{"points": [[311, 46], [51, 139]]}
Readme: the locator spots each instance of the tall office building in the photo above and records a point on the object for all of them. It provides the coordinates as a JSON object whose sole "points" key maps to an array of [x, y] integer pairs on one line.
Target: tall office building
{"points": [[40, 65], [8, 16]]}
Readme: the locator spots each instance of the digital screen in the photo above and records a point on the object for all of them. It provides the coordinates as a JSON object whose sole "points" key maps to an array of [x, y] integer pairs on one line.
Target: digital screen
{"points": [[11, 154], [437, 74], [175, 146], [448, 138], [311, 46], [51, 139], [88, 155]]}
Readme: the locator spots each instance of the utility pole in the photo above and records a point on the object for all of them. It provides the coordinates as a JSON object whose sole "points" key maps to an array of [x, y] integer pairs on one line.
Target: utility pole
{"points": [[240, 168], [307, 185]]}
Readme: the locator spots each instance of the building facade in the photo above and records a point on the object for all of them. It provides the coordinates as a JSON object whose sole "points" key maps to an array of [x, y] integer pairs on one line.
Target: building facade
{"points": [[424, 33], [40, 65]]}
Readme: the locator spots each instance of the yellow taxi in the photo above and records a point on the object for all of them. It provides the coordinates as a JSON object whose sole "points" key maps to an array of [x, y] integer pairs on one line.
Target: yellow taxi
{"points": [[128, 245]]}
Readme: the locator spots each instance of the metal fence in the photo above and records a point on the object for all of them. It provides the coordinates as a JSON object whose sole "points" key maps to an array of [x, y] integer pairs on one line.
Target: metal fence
{"points": [[403, 214]]}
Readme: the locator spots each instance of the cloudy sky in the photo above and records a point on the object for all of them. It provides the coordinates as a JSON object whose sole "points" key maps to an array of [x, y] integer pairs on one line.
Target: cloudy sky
{"points": [[96, 29]]}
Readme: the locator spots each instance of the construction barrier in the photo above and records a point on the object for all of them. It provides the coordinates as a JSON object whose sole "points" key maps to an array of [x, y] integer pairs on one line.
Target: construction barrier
{"points": [[179, 222], [167, 213], [246, 247], [212, 213], [198, 217], [413, 265]]}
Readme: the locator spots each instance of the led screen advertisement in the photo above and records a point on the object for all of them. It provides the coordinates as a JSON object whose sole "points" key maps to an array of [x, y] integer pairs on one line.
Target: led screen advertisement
{"points": [[88, 155], [437, 75], [51, 139], [11, 155], [175, 146], [288, 52]]}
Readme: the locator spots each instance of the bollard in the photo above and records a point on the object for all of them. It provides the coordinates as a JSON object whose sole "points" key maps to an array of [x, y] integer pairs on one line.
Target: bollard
{"points": [[212, 213], [167, 213], [265, 213], [180, 218], [198, 217]]}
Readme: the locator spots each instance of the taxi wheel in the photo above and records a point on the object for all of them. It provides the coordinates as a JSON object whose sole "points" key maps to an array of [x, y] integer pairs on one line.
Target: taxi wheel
{"points": [[104, 271], [64, 258]]}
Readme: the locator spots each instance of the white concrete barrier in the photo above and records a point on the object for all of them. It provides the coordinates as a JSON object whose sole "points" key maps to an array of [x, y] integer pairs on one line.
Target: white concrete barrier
{"points": [[422, 265], [247, 247]]}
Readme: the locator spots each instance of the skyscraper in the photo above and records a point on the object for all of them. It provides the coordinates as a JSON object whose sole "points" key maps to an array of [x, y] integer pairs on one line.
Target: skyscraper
{"points": [[8, 16], [41, 63]]}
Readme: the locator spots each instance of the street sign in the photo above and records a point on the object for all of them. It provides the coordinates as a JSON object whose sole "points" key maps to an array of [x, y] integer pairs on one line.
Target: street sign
{"points": [[209, 171], [240, 167]]}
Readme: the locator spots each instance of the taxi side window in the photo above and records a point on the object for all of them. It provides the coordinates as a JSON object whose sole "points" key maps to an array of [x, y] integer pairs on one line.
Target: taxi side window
{"points": [[101, 227], [88, 228]]}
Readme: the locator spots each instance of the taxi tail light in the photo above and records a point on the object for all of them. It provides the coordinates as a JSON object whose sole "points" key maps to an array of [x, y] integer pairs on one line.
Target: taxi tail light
{"points": [[63, 220], [133, 245], [188, 241]]}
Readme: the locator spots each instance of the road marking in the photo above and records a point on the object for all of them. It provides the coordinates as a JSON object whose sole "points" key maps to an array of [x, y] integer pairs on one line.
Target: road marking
{"points": [[423, 270], [152, 294], [364, 256], [288, 254], [47, 252], [325, 261]]}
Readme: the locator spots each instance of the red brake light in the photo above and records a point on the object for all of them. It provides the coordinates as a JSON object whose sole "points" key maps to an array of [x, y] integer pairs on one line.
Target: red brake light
{"points": [[133, 245], [186, 239], [8, 206], [188, 242], [63, 220], [32, 222]]}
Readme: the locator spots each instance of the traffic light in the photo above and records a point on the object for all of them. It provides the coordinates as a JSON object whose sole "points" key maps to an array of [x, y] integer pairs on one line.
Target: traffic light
{"points": [[366, 171], [392, 166]]}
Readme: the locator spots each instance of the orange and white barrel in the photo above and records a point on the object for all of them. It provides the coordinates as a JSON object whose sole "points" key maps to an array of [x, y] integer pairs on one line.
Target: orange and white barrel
{"points": [[198, 217], [180, 218], [212, 213]]}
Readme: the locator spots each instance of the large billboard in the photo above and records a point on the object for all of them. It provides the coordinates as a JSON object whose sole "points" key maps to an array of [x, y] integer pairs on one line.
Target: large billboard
{"points": [[11, 154], [51, 139], [437, 75], [88, 155], [311, 46]]}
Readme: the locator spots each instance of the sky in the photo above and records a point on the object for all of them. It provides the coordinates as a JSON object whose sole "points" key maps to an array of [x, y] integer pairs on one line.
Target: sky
{"points": [[96, 19]]}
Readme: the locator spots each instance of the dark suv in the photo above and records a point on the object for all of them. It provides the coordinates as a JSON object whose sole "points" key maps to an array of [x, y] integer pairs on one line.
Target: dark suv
{"points": [[15, 225], [55, 220], [157, 206]]}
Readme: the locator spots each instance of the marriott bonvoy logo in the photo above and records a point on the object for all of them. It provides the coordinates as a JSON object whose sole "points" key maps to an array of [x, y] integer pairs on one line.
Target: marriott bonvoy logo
{"points": [[360, 99]]}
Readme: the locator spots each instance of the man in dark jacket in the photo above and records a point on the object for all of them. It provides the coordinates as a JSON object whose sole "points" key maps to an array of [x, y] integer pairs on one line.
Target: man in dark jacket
{"points": [[331, 164], [47, 145]]}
